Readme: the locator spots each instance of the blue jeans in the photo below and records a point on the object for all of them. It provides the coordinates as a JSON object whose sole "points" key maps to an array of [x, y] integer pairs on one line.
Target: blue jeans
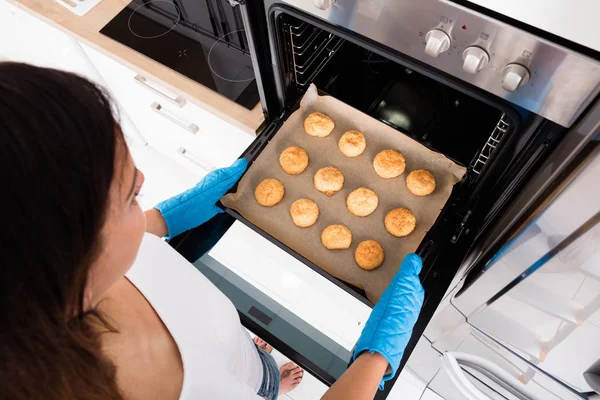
{"points": [[271, 377]]}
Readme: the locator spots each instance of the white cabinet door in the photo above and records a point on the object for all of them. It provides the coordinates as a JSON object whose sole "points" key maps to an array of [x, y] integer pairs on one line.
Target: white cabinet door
{"points": [[183, 132], [25, 38]]}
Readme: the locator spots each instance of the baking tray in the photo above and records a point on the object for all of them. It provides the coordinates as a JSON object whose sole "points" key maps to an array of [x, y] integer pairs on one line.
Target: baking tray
{"points": [[358, 172]]}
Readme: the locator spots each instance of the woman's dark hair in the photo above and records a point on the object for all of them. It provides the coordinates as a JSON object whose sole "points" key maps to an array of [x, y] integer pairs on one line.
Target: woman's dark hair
{"points": [[58, 144]]}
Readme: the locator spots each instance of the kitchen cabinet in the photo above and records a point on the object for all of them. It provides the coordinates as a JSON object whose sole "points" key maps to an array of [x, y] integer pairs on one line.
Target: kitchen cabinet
{"points": [[35, 42], [183, 132], [28, 39], [163, 177]]}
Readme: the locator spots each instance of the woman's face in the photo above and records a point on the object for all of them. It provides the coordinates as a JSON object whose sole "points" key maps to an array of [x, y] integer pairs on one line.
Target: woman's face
{"points": [[123, 229]]}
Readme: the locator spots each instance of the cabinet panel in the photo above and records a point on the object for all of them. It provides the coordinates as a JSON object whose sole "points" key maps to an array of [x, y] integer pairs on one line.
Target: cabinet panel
{"points": [[182, 131], [163, 177]]}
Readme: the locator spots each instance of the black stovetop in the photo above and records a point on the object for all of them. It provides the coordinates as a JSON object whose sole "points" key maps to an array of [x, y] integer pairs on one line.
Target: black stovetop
{"points": [[203, 40]]}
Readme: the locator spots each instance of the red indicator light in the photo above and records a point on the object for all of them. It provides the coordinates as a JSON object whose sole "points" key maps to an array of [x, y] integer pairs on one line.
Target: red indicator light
{"points": [[464, 27]]}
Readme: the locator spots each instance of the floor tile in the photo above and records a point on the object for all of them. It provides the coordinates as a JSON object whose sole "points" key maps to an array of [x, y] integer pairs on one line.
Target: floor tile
{"points": [[429, 394], [403, 390], [413, 379]]}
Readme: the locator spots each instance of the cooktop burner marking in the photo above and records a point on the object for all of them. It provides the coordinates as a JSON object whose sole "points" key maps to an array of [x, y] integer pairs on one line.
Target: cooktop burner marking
{"points": [[175, 9], [210, 64]]}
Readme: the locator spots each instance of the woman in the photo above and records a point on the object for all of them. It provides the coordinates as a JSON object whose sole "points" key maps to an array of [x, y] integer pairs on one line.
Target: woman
{"points": [[73, 325]]}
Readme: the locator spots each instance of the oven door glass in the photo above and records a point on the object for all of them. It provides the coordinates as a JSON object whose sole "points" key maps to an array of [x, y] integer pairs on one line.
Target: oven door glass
{"points": [[303, 315]]}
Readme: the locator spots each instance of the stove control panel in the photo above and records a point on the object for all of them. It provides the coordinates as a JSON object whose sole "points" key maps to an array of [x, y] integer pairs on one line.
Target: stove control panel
{"points": [[532, 72]]}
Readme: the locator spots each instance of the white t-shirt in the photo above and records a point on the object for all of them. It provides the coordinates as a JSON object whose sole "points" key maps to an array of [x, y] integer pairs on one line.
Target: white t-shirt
{"points": [[219, 358]]}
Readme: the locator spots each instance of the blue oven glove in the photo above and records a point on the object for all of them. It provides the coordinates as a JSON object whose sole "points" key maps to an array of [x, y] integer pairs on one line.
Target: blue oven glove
{"points": [[197, 205], [390, 324]]}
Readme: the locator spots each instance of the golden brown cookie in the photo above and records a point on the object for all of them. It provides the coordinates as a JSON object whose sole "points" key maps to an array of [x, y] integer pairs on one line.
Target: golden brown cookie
{"points": [[362, 202], [293, 160], [336, 237], [369, 255], [269, 192], [420, 182], [318, 124], [352, 144], [400, 222], [389, 163], [304, 213], [329, 180]]}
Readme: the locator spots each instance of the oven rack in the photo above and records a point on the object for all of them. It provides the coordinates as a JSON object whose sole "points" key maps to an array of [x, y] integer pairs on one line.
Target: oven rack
{"points": [[500, 130], [309, 48]]}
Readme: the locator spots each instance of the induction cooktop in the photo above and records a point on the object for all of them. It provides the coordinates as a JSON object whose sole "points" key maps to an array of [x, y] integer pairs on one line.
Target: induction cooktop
{"points": [[203, 40]]}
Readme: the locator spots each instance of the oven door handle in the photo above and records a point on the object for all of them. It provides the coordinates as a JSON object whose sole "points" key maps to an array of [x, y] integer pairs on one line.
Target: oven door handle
{"points": [[451, 361]]}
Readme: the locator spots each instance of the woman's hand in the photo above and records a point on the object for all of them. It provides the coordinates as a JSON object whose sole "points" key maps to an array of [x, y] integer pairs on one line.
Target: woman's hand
{"points": [[379, 349], [390, 324], [197, 205]]}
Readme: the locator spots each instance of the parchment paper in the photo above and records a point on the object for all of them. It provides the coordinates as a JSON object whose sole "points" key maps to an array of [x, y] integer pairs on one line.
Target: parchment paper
{"points": [[358, 172]]}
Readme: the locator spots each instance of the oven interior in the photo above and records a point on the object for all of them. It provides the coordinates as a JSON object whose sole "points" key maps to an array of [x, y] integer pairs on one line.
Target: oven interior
{"points": [[465, 129]]}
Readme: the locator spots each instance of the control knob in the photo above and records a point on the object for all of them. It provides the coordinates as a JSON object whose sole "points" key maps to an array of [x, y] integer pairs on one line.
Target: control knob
{"points": [[514, 76], [323, 4], [437, 42], [474, 58]]}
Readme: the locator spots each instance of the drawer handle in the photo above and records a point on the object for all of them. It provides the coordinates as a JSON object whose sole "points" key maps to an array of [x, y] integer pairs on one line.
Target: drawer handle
{"points": [[194, 159], [177, 100], [193, 128]]}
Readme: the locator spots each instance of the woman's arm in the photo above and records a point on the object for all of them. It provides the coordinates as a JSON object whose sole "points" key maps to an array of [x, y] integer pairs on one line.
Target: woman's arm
{"points": [[381, 344], [155, 223], [361, 380]]}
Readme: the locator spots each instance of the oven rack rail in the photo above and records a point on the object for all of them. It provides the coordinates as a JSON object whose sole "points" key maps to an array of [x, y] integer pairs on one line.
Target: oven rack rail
{"points": [[500, 130], [310, 49]]}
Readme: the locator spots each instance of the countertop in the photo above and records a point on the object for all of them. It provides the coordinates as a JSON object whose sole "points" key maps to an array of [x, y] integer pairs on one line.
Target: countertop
{"points": [[87, 29]]}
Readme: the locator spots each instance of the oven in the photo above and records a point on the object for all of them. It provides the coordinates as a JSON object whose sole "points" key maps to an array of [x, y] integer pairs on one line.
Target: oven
{"points": [[518, 110]]}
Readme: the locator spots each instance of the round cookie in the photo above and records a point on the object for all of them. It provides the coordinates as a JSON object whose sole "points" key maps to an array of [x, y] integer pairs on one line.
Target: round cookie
{"points": [[362, 202], [293, 160], [336, 237], [400, 222], [304, 213], [269, 192], [318, 124], [369, 255], [420, 182], [329, 180], [352, 143], [389, 163]]}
